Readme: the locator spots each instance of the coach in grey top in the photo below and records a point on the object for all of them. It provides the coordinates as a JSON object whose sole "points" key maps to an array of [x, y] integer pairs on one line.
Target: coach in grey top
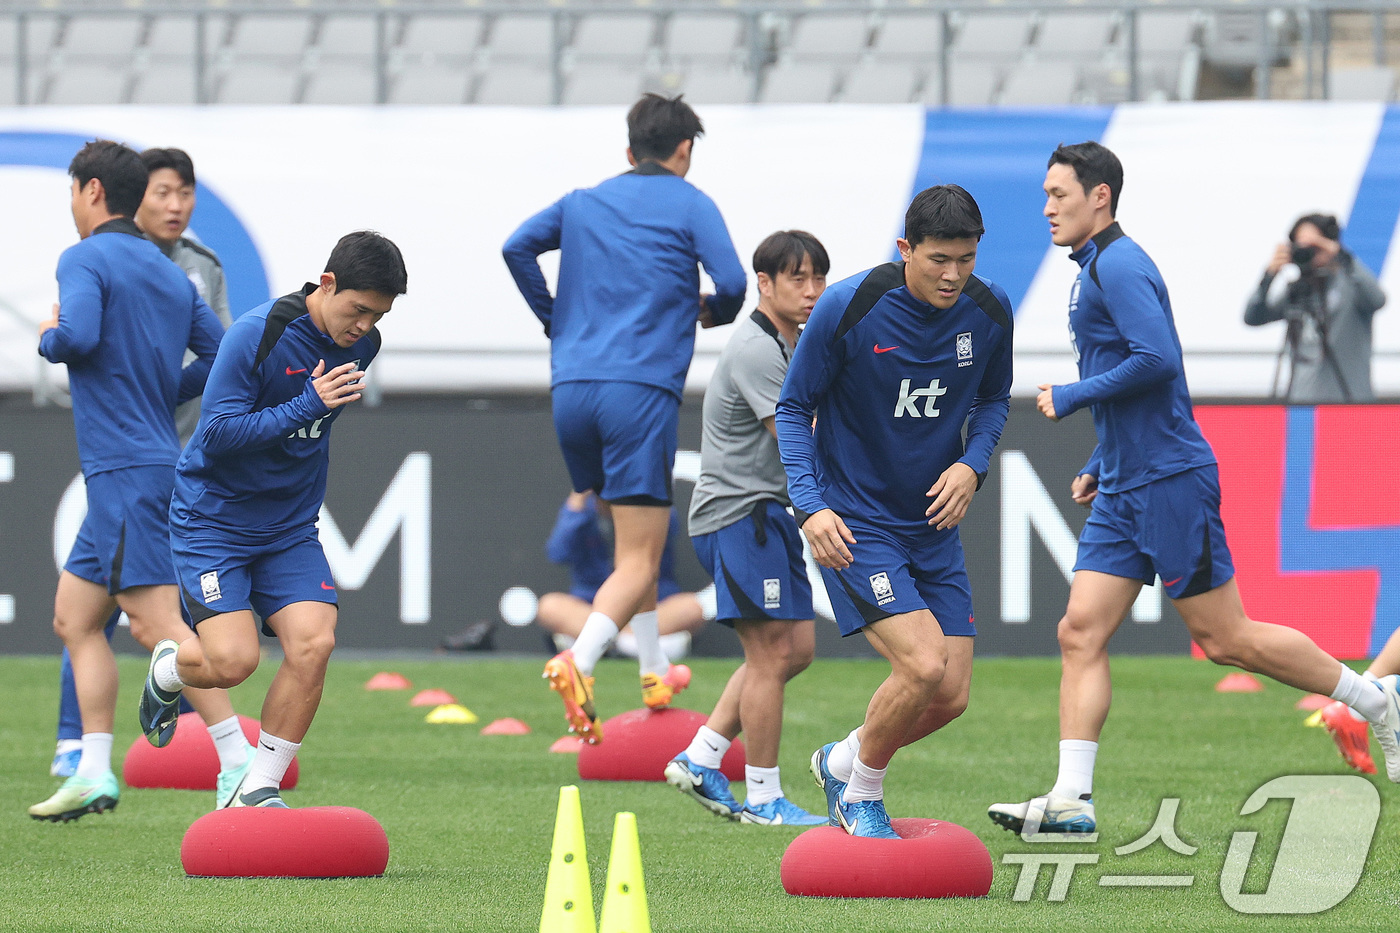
{"points": [[1328, 299], [749, 543], [164, 216]]}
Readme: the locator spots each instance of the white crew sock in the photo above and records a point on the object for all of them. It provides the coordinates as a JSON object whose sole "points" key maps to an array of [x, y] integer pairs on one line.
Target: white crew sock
{"points": [[167, 674], [229, 743], [1361, 695], [843, 756], [761, 785], [1076, 776], [97, 755], [707, 748], [270, 763], [866, 783], [598, 632], [650, 657]]}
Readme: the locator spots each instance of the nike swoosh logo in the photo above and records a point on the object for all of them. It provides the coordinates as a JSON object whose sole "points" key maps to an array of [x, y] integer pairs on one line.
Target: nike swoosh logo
{"points": [[268, 747], [1171, 582], [880, 349], [326, 586], [293, 372]]}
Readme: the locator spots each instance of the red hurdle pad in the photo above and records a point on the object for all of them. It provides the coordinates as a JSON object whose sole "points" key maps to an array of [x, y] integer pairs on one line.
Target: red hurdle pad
{"points": [[636, 746], [272, 842], [189, 762], [932, 858]]}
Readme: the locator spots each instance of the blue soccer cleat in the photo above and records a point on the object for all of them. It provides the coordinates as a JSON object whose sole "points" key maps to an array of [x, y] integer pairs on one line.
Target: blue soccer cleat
{"points": [[780, 812], [828, 783], [160, 710], [66, 758], [1049, 814], [866, 819], [707, 785]]}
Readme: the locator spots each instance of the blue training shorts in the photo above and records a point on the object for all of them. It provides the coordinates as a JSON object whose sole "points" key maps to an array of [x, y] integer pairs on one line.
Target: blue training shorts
{"points": [[757, 566], [1169, 528], [125, 537], [218, 576], [618, 439], [891, 575]]}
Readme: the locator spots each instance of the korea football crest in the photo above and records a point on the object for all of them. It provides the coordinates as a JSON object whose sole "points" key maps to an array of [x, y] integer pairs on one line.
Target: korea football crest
{"points": [[880, 586], [772, 593], [964, 347], [209, 586]]}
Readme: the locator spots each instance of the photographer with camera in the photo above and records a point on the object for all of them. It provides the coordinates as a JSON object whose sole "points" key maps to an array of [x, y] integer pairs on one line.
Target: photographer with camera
{"points": [[1327, 297]]}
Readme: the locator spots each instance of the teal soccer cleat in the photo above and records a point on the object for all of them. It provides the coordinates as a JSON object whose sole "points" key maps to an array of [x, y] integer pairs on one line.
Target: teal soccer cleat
{"points": [[159, 710], [79, 797]]}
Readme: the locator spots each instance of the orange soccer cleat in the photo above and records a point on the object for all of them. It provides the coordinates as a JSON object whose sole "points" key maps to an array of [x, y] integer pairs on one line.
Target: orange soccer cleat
{"points": [[1352, 735], [576, 690], [658, 691]]}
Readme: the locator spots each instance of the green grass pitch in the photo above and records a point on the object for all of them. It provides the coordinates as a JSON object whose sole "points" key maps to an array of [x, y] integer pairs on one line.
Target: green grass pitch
{"points": [[469, 817]]}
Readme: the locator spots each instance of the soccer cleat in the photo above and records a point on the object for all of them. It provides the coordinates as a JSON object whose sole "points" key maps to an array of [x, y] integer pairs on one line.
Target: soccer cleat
{"points": [[1351, 735], [828, 783], [1388, 733], [866, 819], [707, 785], [231, 780], [258, 797], [658, 691], [576, 690], [1049, 814], [78, 797], [159, 710], [780, 812], [65, 758]]}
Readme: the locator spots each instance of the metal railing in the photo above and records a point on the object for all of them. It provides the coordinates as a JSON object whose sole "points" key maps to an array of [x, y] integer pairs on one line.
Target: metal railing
{"points": [[1277, 24]]}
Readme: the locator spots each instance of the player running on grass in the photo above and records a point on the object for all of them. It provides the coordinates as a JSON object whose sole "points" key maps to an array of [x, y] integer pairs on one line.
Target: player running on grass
{"points": [[622, 331], [248, 491], [125, 317], [893, 364], [1154, 489], [745, 537], [1348, 728]]}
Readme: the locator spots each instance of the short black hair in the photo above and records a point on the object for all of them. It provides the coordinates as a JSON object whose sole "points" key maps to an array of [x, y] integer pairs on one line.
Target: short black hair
{"points": [[783, 252], [656, 125], [176, 159], [1326, 224], [943, 212], [118, 167], [1093, 165], [365, 261]]}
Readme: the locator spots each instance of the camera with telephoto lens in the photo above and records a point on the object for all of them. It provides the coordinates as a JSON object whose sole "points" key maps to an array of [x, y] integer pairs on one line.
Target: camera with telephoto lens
{"points": [[1303, 256]]}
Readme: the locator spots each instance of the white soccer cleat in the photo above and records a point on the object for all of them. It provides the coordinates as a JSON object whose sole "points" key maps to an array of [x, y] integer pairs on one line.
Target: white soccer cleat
{"points": [[1049, 814], [1387, 733]]}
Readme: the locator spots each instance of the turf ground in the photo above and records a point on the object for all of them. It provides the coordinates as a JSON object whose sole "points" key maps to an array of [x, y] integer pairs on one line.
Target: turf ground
{"points": [[469, 817]]}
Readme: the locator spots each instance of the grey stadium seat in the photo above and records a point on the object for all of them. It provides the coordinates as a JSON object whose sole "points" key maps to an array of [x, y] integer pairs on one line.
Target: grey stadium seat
{"points": [[717, 84], [516, 85], [695, 37], [441, 35], [596, 84], [917, 36], [259, 83], [828, 36], [798, 83], [881, 83], [78, 83], [433, 83], [1074, 35], [992, 37], [972, 82], [1040, 83], [1369, 83], [340, 83], [621, 38], [522, 38]]}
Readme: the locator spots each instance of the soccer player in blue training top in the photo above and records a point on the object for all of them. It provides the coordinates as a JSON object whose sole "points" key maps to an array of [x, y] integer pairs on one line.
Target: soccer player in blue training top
{"points": [[164, 216], [893, 364], [1154, 489], [125, 316], [744, 535], [622, 331], [248, 490]]}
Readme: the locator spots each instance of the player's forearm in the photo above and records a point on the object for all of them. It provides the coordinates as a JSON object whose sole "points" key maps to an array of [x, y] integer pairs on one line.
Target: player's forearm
{"points": [[985, 423], [798, 450], [1141, 371], [231, 431], [193, 379]]}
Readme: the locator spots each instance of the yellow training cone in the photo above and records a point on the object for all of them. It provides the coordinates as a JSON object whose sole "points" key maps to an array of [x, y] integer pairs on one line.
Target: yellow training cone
{"points": [[568, 892], [625, 901], [452, 713]]}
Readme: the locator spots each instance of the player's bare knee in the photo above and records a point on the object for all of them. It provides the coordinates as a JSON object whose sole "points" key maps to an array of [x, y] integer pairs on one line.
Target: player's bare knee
{"points": [[311, 649], [799, 659], [925, 672], [232, 668], [1075, 635]]}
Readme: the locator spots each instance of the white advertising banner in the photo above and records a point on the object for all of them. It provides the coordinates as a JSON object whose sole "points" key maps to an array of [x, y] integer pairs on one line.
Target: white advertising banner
{"points": [[1210, 189]]}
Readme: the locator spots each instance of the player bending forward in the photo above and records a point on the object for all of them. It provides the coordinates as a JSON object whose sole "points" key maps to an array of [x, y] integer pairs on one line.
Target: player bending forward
{"points": [[892, 365], [744, 535], [248, 490], [1154, 489]]}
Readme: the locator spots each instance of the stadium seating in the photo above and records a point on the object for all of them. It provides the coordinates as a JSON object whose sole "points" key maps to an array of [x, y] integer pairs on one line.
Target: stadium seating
{"points": [[541, 52]]}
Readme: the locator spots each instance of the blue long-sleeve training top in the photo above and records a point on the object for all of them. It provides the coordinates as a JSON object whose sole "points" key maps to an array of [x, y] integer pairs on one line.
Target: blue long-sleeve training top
{"points": [[1130, 368], [629, 286], [256, 466], [126, 316], [891, 382], [577, 541]]}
